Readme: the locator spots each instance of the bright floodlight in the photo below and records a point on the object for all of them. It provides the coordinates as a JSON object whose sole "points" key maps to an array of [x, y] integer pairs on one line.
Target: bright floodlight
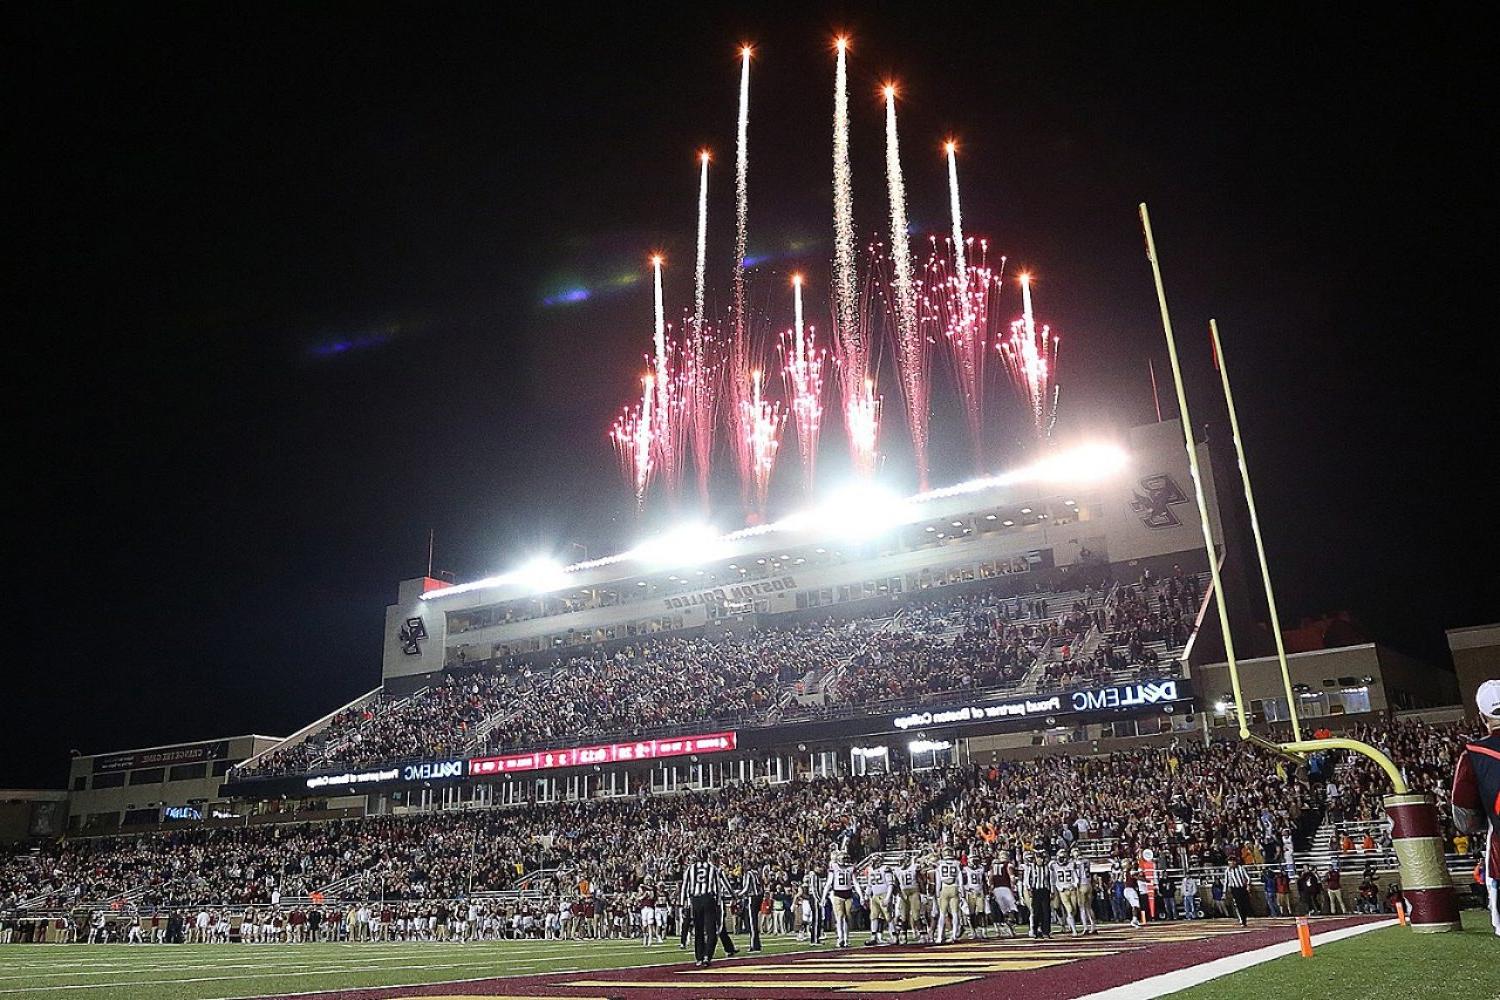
{"points": [[861, 510], [1083, 464], [541, 575], [684, 545]]}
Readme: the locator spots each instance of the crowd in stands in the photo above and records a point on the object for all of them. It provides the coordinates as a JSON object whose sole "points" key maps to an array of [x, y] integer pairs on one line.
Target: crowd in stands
{"points": [[1194, 806], [976, 641]]}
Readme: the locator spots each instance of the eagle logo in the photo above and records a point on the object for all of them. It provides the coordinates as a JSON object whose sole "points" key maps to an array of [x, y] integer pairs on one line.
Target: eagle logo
{"points": [[411, 636], [1155, 499]]}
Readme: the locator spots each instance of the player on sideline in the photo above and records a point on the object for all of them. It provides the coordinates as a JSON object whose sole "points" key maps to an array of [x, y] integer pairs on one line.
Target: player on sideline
{"points": [[649, 931], [1084, 878], [1003, 878], [974, 896], [1476, 792], [1065, 877], [909, 905], [946, 885], [882, 897], [840, 892]]}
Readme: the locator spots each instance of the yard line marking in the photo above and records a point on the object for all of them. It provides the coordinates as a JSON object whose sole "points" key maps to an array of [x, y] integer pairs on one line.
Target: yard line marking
{"points": [[262, 975], [916, 965], [905, 985], [1181, 979]]}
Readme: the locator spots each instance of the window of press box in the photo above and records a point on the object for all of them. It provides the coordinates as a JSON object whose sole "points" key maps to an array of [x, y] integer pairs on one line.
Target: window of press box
{"points": [[221, 767], [115, 780], [186, 772], [148, 776]]}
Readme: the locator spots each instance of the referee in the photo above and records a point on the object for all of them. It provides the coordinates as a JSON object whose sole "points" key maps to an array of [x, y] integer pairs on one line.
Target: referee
{"points": [[702, 884], [753, 891], [816, 888], [1237, 881], [1037, 874]]}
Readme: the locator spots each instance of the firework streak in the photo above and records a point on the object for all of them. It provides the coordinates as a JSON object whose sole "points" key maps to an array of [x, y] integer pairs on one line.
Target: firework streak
{"points": [[738, 374], [667, 416], [699, 385], [911, 340], [851, 342], [766, 421], [1031, 361], [802, 370], [633, 439]]}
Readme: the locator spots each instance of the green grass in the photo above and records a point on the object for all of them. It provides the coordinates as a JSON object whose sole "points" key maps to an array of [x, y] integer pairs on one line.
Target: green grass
{"points": [[219, 972], [1381, 965]]}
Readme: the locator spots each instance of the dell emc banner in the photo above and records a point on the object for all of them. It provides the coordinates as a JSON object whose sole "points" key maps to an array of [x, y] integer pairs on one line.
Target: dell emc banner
{"points": [[1119, 696]]}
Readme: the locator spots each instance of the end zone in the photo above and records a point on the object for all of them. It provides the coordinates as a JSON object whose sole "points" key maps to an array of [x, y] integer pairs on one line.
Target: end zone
{"points": [[1119, 963]]}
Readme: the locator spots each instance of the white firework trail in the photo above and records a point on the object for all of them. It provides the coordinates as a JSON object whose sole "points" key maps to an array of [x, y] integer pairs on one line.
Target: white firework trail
{"points": [[701, 268], [1030, 355], [700, 390], [850, 344], [911, 341], [739, 348], [960, 260], [803, 374]]}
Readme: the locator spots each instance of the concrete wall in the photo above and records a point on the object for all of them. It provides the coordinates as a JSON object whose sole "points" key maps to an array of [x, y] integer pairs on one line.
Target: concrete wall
{"points": [[102, 807], [1476, 659]]}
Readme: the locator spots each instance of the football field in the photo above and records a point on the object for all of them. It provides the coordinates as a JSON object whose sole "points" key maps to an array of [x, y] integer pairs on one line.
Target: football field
{"points": [[1355, 959]]}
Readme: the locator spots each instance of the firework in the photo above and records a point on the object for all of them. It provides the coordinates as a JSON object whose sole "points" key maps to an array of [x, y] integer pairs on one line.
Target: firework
{"points": [[961, 317], [911, 339], [803, 372], [765, 422], [700, 388], [963, 291], [738, 362], [851, 343], [634, 441], [1031, 361], [666, 422]]}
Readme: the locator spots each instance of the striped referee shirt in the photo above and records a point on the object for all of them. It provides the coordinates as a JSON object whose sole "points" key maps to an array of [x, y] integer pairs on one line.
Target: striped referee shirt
{"points": [[751, 883], [702, 878], [1237, 877], [1039, 876]]}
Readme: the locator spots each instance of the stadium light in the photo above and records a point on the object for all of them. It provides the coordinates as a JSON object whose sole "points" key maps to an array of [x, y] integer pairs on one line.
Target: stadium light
{"points": [[684, 545], [1080, 465], [540, 575], [858, 511]]}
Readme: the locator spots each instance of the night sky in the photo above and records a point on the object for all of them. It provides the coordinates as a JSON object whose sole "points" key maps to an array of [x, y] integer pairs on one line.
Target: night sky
{"points": [[289, 286]]}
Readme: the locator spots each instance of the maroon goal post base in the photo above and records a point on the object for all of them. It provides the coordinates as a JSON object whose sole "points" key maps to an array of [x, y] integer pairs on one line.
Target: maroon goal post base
{"points": [[1417, 839]]}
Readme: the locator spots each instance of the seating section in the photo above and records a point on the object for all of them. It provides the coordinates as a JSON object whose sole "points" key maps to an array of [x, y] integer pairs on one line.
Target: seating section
{"points": [[1193, 805], [979, 641]]}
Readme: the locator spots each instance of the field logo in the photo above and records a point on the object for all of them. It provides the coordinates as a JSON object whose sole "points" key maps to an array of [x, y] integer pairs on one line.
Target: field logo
{"points": [[1155, 504]]}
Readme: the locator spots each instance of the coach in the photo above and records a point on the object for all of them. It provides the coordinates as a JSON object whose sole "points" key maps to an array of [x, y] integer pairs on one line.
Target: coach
{"points": [[1476, 791], [703, 884]]}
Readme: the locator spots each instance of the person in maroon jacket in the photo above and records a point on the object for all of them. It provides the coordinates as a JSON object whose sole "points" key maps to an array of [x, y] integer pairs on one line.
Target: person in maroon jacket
{"points": [[1476, 791]]}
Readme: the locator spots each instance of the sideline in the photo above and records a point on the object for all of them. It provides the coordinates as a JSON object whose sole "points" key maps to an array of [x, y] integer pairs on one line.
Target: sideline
{"points": [[1181, 979]]}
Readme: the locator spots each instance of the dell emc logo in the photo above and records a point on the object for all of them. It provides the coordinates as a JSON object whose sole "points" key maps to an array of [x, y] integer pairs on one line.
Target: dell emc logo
{"points": [[1125, 696]]}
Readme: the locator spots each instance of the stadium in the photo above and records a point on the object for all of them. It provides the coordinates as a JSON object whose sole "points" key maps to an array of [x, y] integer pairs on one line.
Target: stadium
{"points": [[548, 746], [1031, 729]]}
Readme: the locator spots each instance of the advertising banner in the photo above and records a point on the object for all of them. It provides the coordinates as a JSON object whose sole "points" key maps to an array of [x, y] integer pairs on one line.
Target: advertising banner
{"points": [[604, 753]]}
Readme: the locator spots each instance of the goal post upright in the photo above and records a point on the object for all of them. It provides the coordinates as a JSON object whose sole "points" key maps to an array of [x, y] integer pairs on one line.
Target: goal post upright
{"points": [[1415, 830]]}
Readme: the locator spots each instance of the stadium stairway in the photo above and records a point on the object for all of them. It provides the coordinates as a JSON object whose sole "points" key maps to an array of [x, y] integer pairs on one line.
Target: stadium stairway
{"points": [[312, 728]]}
